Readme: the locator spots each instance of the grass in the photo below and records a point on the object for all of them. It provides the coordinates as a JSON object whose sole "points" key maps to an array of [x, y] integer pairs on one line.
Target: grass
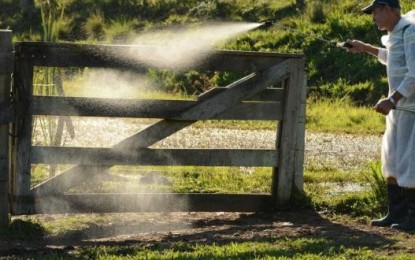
{"points": [[302, 247], [340, 116], [288, 248]]}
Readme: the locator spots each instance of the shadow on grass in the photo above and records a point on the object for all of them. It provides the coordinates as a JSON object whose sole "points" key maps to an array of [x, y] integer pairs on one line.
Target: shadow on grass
{"points": [[22, 230], [182, 231]]}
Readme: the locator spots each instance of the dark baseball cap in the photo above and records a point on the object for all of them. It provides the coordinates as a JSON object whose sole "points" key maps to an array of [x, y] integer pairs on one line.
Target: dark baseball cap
{"points": [[392, 3]]}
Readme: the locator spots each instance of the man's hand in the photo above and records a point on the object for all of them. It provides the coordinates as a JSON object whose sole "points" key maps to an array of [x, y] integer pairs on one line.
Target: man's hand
{"points": [[357, 46], [384, 106], [361, 47]]}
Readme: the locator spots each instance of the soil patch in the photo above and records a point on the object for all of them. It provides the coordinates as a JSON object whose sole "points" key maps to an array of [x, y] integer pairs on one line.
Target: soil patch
{"points": [[147, 229]]}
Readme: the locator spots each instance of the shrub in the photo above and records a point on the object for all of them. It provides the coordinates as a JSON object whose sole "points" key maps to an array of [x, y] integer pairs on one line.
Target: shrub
{"points": [[363, 93], [327, 66], [317, 14], [94, 26], [120, 31]]}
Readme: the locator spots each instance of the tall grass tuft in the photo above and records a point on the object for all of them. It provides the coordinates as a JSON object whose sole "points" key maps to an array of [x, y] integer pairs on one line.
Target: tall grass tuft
{"points": [[378, 191], [94, 26], [47, 81], [317, 14]]}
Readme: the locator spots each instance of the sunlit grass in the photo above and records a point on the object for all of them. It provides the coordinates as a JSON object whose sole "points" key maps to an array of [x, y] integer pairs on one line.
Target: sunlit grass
{"points": [[183, 179], [333, 175], [340, 116]]}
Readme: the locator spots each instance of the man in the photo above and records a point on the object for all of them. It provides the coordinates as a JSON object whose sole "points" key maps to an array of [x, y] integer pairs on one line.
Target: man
{"points": [[398, 145]]}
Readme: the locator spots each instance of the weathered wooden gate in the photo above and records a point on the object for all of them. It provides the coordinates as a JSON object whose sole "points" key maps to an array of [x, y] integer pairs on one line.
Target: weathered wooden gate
{"points": [[257, 96]]}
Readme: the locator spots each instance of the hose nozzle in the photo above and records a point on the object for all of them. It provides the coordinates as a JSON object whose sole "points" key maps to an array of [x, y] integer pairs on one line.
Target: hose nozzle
{"points": [[265, 25], [344, 45]]}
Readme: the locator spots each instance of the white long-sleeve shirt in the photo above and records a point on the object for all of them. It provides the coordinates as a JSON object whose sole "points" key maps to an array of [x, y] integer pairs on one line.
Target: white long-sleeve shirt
{"points": [[398, 157], [399, 56]]}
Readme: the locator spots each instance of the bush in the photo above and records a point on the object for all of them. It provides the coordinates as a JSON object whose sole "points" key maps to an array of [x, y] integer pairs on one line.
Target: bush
{"points": [[364, 93], [317, 14], [94, 26], [328, 67]]}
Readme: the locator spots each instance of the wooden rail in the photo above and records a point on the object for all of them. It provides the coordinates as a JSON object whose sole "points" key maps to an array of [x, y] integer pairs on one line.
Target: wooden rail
{"points": [[273, 89]]}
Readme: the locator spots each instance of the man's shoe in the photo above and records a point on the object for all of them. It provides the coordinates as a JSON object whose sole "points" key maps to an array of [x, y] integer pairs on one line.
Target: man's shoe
{"points": [[397, 208]]}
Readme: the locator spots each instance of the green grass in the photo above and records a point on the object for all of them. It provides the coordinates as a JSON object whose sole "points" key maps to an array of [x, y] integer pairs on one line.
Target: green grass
{"points": [[340, 116], [286, 248], [306, 248], [322, 116]]}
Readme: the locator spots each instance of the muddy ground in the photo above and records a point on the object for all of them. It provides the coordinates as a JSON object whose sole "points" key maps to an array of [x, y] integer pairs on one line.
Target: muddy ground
{"points": [[147, 229]]}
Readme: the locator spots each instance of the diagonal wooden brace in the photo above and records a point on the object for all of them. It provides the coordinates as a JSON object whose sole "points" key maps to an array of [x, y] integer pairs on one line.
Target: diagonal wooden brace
{"points": [[204, 109]]}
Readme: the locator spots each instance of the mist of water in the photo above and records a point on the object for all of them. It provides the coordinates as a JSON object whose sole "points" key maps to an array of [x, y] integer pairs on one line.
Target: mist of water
{"points": [[184, 48], [175, 49], [111, 83], [172, 49]]}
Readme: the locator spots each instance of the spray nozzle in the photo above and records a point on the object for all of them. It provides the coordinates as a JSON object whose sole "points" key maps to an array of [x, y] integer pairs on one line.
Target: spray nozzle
{"points": [[265, 25], [344, 45]]}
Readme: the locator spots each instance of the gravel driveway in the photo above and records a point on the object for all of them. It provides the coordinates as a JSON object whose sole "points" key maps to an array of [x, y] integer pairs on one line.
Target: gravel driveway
{"points": [[322, 150]]}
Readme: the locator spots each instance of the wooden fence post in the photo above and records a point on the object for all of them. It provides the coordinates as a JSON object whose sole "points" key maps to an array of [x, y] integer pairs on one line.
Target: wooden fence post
{"points": [[21, 175], [284, 177], [6, 68], [300, 148]]}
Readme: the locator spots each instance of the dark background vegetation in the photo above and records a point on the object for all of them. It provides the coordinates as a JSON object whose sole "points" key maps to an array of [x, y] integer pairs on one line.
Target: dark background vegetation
{"points": [[331, 72]]}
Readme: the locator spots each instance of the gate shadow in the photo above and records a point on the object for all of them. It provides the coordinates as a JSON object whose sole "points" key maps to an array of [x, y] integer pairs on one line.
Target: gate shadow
{"points": [[213, 229]]}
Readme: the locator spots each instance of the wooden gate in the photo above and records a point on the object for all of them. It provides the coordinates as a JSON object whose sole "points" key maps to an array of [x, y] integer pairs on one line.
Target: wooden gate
{"points": [[274, 89]]}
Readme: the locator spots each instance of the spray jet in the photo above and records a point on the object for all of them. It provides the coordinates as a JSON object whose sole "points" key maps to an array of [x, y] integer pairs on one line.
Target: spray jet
{"points": [[267, 24]]}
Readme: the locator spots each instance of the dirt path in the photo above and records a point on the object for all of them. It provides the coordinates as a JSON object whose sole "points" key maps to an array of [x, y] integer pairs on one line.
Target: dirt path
{"points": [[148, 229]]}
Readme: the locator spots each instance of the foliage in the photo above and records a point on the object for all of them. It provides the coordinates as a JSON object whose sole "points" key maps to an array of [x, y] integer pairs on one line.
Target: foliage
{"points": [[54, 20], [296, 31], [94, 26]]}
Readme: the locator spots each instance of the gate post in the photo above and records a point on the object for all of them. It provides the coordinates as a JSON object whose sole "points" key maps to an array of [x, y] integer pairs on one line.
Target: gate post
{"points": [[6, 69]]}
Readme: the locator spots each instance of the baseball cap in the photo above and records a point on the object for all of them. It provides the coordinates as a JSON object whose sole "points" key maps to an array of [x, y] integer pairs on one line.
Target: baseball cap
{"points": [[392, 3]]}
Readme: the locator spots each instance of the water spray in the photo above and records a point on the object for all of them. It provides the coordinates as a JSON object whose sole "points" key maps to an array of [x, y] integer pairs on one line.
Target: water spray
{"points": [[268, 24]]}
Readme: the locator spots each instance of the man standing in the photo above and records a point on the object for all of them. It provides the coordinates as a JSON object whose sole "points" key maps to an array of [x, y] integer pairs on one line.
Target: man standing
{"points": [[398, 145]]}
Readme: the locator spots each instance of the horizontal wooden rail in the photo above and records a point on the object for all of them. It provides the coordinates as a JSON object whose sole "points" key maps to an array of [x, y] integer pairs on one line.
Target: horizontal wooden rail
{"points": [[143, 108], [160, 202], [146, 156], [267, 95], [122, 56]]}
